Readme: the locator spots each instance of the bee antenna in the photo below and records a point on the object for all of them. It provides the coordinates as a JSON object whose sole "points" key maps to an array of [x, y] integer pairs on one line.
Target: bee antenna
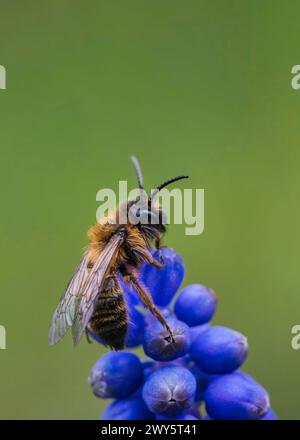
{"points": [[168, 182], [138, 171]]}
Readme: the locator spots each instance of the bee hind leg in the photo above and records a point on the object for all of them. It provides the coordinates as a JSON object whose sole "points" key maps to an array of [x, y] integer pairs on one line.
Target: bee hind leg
{"points": [[131, 277]]}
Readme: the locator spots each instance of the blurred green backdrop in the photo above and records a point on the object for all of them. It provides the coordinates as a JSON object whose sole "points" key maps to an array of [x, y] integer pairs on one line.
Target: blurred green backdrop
{"points": [[201, 87]]}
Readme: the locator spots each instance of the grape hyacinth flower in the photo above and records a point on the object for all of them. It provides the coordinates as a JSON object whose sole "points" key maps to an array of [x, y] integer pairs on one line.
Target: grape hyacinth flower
{"points": [[116, 375], [169, 390], [157, 340], [197, 373]]}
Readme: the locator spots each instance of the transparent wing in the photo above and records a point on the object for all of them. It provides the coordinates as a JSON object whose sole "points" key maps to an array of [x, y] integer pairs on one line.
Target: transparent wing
{"points": [[92, 288], [64, 314]]}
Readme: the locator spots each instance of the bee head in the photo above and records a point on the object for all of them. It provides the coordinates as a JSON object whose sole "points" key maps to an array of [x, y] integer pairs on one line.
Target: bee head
{"points": [[146, 210]]}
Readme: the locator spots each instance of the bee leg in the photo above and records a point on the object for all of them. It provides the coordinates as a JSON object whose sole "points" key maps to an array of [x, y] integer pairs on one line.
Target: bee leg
{"points": [[146, 299], [157, 264], [148, 257], [162, 261], [88, 336], [161, 258]]}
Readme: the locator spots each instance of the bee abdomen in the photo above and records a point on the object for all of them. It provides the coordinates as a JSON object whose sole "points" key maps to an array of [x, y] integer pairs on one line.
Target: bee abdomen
{"points": [[109, 320]]}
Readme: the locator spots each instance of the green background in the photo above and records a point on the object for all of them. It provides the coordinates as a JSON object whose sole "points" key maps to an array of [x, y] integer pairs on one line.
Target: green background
{"points": [[198, 87]]}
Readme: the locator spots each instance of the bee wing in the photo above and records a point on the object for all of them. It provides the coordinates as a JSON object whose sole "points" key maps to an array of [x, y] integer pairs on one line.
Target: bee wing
{"points": [[92, 287], [64, 314]]}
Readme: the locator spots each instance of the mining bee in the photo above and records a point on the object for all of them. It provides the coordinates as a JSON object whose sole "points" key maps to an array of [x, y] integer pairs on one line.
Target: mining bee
{"points": [[93, 300]]}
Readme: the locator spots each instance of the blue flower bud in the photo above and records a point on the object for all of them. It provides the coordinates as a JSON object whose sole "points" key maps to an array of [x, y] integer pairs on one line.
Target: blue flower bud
{"points": [[269, 416], [116, 375], [195, 411], [202, 380], [147, 364], [136, 327], [163, 283], [169, 390], [132, 408], [232, 397], [219, 350], [158, 344], [195, 305], [245, 376], [184, 361], [197, 330]]}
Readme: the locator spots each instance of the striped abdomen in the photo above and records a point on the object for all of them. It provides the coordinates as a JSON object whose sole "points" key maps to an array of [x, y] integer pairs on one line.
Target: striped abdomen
{"points": [[109, 320]]}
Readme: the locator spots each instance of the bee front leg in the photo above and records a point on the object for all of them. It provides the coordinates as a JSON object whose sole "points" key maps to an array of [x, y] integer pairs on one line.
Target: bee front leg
{"points": [[157, 264], [161, 264], [148, 257]]}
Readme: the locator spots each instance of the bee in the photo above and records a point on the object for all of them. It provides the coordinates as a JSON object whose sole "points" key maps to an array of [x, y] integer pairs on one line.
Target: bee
{"points": [[93, 301]]}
